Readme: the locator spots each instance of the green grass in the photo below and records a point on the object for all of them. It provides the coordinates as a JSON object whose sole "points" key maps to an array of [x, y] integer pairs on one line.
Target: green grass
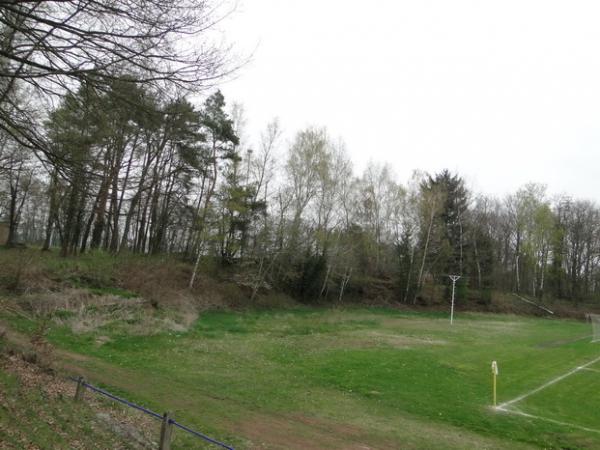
{"points": [[397, 379], [563, 401]]}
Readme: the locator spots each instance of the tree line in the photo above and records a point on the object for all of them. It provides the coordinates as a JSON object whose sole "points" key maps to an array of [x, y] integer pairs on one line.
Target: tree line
{"points": [[102, 148], [137, 172]]}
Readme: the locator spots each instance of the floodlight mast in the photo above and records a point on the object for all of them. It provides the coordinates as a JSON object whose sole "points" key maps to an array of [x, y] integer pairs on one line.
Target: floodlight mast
{"points": [[454, 279]]}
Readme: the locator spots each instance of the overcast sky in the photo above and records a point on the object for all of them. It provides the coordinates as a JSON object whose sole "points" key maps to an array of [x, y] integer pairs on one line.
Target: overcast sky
{"points": [[504, 92]]}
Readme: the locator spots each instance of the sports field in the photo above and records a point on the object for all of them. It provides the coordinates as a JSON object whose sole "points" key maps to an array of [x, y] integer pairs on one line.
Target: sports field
{"points": [[357, 378]]}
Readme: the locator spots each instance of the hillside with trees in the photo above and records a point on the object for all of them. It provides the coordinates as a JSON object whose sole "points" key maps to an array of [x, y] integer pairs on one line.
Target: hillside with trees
{"points": [[106, 146], [169, 177]]}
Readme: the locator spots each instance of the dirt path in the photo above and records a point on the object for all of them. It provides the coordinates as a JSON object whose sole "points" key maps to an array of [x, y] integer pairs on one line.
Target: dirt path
{"points": [[306, 433]]}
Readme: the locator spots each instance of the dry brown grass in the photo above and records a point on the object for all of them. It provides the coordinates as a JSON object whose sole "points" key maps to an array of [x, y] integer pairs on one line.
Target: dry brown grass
{"points": [[22, 272], [162, 282], [106, 425], [134, 319], [68, 299]]}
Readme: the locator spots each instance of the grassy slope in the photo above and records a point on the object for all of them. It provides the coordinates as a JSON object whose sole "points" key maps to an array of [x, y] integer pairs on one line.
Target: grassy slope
{"points": [[335, 378], [31, 418]]}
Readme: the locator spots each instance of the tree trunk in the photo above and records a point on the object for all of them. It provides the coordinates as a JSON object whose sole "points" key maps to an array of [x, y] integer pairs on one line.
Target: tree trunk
{"points": [[52, 210], [420, 278]]}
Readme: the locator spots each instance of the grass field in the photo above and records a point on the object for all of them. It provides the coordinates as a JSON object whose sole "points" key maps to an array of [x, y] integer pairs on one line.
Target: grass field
{"points": [[355, 378]]}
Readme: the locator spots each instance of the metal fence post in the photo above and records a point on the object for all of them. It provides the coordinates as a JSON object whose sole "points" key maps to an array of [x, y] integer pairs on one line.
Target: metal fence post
{"points": [[80, 389], [166, 429]]}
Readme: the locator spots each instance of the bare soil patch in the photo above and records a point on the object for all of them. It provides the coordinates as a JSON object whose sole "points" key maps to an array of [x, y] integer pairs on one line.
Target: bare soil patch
{"points": [[306, 433]]}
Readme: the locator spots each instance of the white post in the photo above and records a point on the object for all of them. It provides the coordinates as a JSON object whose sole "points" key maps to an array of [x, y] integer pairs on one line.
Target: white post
{"points": [[454, 278], [452, 307], [494, 375]]}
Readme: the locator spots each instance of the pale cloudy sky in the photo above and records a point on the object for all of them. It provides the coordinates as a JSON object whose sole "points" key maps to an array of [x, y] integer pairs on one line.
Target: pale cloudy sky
{"points": [[504, 92]]}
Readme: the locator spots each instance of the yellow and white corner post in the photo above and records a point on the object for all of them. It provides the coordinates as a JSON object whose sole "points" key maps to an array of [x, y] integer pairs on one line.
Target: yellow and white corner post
{"points": [[494, 375]]}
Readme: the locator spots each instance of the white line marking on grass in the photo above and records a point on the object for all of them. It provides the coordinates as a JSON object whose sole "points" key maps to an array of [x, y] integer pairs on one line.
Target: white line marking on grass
{"points": [[503, 406], [546, 419], [589, 369], [587, 336]]}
